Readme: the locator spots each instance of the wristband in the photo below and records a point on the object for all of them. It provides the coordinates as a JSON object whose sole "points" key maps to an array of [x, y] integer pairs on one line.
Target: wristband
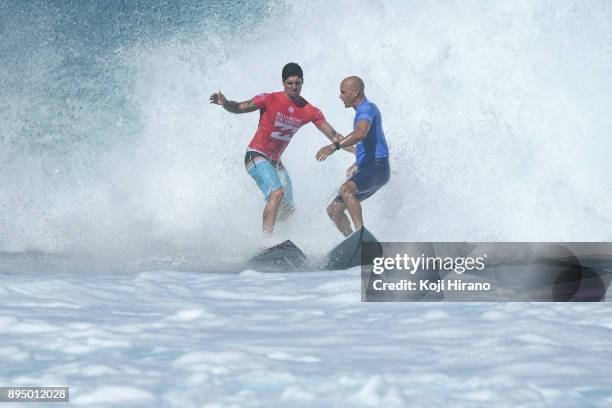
{"points": [[337, 145]]}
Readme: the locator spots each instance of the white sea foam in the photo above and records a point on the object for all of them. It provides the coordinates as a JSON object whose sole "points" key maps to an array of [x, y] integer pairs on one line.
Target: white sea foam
{"points": [[274, 351]]}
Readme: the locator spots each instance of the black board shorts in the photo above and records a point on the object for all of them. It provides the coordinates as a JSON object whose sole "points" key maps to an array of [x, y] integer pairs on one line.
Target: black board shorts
{"points": [[369, 178]]}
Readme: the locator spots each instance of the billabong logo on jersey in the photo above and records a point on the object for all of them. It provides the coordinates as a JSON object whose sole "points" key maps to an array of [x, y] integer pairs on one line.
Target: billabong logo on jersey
{"points": [[286, 126]]}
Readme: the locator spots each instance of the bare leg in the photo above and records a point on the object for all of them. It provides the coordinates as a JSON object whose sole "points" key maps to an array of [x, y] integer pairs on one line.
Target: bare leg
{"points": [[348, 191], [335, 210], [271, 209]]}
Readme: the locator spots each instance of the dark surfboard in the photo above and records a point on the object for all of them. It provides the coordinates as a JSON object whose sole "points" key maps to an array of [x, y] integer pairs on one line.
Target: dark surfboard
{"points": [[285, 256], [351, 252]]}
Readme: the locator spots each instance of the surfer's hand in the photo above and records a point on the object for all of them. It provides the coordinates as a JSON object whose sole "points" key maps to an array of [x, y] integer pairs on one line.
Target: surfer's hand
{"points": [[324, 152], [218, 98], [351, 170]]}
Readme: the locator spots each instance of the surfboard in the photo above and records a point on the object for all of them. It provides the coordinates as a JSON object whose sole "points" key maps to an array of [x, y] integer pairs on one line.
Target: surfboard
{"points": [[351, 252], [361, 247], [285, 256]]}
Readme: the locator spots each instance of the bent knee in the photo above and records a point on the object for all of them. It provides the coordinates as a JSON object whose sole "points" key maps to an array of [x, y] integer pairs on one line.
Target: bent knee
{"points": [[348, 189], [277, 194]]}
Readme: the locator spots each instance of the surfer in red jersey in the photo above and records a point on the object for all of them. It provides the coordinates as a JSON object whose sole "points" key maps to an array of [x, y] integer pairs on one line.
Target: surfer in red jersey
{"points": [[281, 115]]}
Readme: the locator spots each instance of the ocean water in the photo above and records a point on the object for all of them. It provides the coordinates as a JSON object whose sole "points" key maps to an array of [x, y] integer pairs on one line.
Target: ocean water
{"points": [[122, 192]]}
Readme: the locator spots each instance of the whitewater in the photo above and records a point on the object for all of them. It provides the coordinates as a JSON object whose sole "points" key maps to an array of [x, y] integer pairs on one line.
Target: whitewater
{"points": [[126, 213]]}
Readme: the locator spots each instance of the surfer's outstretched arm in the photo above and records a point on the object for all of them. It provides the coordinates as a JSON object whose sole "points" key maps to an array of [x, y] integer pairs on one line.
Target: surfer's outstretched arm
{"points": [[232, 106], [332, 135]]}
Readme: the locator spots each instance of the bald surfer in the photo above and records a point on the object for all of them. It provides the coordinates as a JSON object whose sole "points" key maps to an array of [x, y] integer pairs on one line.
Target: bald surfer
{"points": [[371, 168]]}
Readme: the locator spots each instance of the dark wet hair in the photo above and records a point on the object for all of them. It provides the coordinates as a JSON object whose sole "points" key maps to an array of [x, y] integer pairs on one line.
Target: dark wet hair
{"points": [[292, 69]]}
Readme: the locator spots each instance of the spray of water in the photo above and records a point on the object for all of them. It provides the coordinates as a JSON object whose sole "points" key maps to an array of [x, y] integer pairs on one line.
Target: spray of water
{"points": [[496, 116]]}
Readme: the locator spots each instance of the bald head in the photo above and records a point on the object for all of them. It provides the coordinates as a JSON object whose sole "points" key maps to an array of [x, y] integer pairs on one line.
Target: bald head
{"points": [[354, 83], [352, 91]]}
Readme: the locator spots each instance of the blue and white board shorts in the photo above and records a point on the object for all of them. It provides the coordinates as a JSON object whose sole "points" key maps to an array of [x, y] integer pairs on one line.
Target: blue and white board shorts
{"points": [[269, 176]]}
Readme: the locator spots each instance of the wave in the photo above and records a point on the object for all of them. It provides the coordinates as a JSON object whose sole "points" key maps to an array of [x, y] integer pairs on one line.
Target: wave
{"points": [[495, 114]]}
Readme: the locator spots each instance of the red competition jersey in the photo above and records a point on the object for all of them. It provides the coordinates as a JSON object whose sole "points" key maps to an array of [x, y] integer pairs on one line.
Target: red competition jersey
{"points": [[280, 117]]}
